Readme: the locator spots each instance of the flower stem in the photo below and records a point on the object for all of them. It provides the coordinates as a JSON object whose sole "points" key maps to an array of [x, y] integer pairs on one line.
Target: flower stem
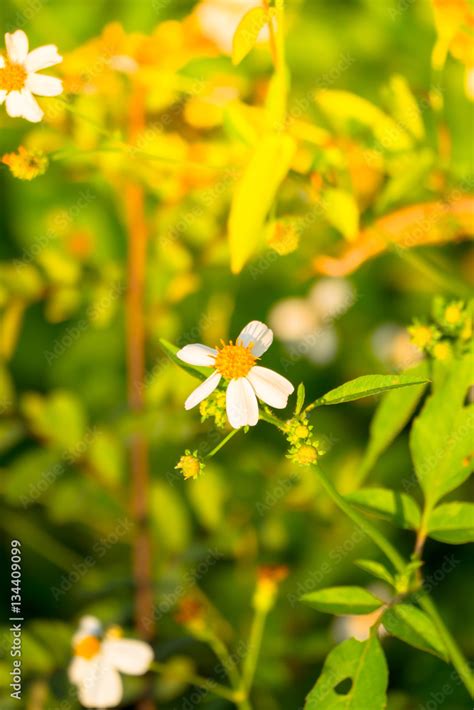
{"points": [[255, 642], [222, 443], [135, 347]]}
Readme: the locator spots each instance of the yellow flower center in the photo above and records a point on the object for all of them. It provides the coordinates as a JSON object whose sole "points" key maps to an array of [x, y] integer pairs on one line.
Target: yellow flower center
{"points": [[12, 77], [234, 361], [87, 647], [452, 314]]}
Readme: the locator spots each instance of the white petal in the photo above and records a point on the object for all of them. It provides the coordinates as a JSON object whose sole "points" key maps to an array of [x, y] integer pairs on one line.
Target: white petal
{"points": [[2, 96], [17, 46], [21, 103], [42, 58], [2, 62], [197, 354], [100, 686], [241, 403], [270, 387], [203, 391], [128, 656], [257, 333], [77, 669], [14, 103], [44, 85], [90, 626]]}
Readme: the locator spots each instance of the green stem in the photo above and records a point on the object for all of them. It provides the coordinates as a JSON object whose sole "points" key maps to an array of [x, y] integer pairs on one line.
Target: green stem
{"points": [[222, 443], [210, 685], [438, 278], [255, 642], [227, 661], [382, 543], [267, 416]]}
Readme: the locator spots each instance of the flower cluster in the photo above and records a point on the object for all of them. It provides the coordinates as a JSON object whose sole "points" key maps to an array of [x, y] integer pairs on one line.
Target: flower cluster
{"points": [[304, 450], [449, 332], [214, 408], [25, 164]]}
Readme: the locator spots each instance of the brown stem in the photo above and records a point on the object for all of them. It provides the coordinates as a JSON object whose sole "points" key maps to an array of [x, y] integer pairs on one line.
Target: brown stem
{"points": [[135, 333]]}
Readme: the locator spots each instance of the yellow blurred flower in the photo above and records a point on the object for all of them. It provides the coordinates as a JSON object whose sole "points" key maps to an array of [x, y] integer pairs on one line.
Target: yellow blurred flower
{"points": [[26, 164]]}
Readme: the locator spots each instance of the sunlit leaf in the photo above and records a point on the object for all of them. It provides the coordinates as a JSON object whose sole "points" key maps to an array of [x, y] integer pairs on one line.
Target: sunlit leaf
{"points": [[254, 195], [354, 677], [342, 600], [392, 414], [247, 32], [367, 386], [344, 109], [413, 626], [441, 439], [399, 508], [376, 569], [452, 523], [404, 107]]}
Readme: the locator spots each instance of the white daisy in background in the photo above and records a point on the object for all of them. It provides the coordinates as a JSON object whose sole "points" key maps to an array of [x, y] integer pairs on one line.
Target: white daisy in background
{"points": [[19, 80], [220, 18], [100, 658], [236, 363]]}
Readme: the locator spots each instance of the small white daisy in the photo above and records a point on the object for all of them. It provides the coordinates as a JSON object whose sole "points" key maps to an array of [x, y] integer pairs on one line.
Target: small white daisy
{"points": [[19, 80], [236, 363], [98, 661]]}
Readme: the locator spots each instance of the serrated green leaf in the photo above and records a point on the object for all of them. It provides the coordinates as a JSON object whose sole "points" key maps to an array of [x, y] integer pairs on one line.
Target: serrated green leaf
{"points": [[255, 194], [342, 600], [452, 523], [363, 663], [376, 569], [392, 414], [300, 396], [247, 32], [412, 625], [399, 508], [441, 440], [196, 371], [367, 386]]}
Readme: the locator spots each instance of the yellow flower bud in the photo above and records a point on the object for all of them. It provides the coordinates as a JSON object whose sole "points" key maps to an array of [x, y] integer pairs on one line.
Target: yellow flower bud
{"points": [[26, 164]]}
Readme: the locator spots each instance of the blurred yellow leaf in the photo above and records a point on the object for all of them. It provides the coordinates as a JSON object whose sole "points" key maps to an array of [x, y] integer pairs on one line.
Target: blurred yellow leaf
{"points": [[247, 32], [342, 212], [416, 225], [343, 108], [254, 195], [276, 102], [404, 107]]}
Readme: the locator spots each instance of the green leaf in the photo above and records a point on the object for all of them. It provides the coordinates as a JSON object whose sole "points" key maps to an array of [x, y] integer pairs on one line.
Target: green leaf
{"points": [[441, 436], [254, 195], [376, 569], [300, 395], [399, 508], [413, 626], [452, 523], [246, 34], [196, 371], [362, 663], [57, 418], [342, 600], [392, 414], [366, 386], [404, 107], [341, 211]]}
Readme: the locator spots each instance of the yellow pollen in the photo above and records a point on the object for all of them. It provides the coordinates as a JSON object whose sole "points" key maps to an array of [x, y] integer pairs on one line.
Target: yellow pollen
{"points": [[234, 361], [12, 77], [87, 647]]}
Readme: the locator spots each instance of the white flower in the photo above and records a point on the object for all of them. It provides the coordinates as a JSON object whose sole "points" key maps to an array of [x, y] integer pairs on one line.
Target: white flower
{"points": [[246, 380], [98, 661], [19, 80]]}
